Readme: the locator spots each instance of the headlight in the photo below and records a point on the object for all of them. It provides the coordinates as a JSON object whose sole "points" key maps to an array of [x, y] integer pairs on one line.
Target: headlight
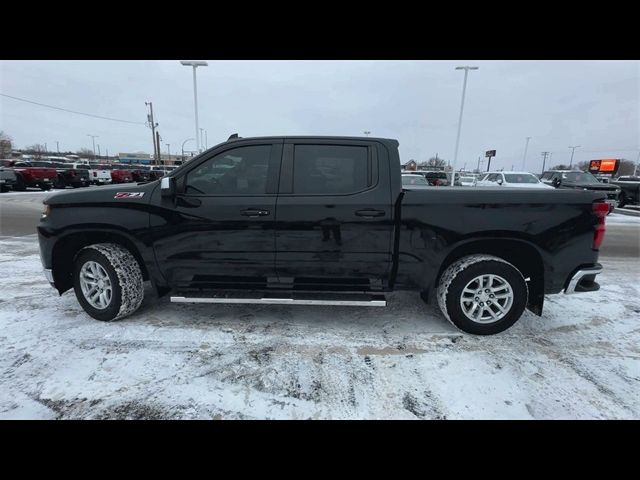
{"points": [[45, 212]]}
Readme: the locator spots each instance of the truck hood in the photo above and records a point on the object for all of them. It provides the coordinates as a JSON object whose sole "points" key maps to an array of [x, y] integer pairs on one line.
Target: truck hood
{"points": [[132, 192]]}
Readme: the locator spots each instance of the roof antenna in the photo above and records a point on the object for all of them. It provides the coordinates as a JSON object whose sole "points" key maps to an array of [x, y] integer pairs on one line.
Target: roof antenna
{"points": [[233, 137]]}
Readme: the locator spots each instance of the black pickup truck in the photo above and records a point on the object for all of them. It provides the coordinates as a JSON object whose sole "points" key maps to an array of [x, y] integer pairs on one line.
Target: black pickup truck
{"points": [[320, 221]]}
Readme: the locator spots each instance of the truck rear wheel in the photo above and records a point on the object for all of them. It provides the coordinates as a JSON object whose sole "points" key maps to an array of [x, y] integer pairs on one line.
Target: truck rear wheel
{"points": [[107, 280], [482, 294]]}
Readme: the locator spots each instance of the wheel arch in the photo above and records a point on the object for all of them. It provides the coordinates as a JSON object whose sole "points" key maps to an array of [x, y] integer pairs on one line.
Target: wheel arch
{"points": [[521, 254], [66, 250]]}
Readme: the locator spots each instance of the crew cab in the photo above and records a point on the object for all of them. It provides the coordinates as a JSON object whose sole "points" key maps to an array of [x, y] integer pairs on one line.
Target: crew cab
{"points": [[320, 221], [571, 179], [120, 174], [70, 175], [34, 174], [99, 174], [629, 189]]}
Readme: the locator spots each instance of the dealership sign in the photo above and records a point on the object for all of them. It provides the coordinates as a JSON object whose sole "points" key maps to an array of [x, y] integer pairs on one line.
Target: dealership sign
{"points": [[605, 165]]}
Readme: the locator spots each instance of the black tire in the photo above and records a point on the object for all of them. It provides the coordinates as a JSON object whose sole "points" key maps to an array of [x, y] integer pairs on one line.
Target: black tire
{"points": [[622, 201], [125, 277], [458, 275], [19, 186], [3, 189]]}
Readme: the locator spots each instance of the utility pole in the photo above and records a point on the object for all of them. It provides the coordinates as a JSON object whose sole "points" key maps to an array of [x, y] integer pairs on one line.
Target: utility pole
{"points": [[58, 147], [544, 159], [168, 151], [99, 151], [524, 157], [107, 154], [573, 149], [158, 159], [478, 169], [153, 126], [93, 140], [206, 141]]}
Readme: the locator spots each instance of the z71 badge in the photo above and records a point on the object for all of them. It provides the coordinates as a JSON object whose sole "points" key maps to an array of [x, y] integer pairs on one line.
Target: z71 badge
{"points": [[129, 195]]}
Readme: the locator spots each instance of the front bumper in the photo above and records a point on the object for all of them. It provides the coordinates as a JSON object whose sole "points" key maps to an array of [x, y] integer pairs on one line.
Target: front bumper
{"points": [[583, 280]]}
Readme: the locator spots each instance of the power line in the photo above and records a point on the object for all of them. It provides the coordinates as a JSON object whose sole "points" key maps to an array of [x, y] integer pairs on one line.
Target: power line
{"points": [[72, 111]]}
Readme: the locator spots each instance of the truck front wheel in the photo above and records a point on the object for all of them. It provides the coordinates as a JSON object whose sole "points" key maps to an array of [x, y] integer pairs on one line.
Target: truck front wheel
{"points": [[482, 294], [107, 280]]}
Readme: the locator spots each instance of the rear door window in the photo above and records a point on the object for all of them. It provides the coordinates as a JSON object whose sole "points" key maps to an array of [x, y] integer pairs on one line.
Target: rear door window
{"points": [[330, 169]]}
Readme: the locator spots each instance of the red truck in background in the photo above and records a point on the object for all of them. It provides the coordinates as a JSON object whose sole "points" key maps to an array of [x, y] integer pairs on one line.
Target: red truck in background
{"points": [[29, 175], [120, 174]]}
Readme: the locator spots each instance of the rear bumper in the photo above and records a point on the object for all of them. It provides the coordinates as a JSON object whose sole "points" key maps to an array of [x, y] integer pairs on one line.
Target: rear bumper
{"points": [[583, 280]]}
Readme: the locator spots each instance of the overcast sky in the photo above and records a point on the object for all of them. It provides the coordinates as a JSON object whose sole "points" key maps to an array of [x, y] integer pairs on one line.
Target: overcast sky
{"points": [[594, 104]]}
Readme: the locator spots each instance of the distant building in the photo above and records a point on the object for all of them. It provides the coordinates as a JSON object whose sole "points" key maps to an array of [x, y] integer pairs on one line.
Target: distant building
{"points": [[410, 165], [138, 158]]}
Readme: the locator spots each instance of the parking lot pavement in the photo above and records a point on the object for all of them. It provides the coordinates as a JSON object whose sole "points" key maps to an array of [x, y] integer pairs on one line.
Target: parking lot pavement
{"points": [[581, 359]]}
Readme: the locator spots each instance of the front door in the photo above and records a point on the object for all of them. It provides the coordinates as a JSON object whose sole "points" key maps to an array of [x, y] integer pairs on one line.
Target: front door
{"points": [[334, 216], [219, 230]]}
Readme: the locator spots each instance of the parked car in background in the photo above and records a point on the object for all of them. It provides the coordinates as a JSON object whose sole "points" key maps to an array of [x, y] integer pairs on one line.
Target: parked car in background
{"points": [[437, 179], [629, 190], [468, 181], [139, 173], [511, 179], [413, 181], [121, 174], [7, 177], [156, 173], [70, 175], [582, 181], [34, 174], [100, 174]]}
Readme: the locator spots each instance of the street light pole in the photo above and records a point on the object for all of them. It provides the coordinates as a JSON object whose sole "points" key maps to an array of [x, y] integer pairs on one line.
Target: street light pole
{"points": [[366, 132], [524, 157], [182, 148], [573, 149], [464, 89], [195, 64], [168, 151]]}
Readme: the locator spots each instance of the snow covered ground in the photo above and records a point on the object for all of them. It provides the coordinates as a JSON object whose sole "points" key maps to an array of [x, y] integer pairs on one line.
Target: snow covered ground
{"points": [[580, 360]]}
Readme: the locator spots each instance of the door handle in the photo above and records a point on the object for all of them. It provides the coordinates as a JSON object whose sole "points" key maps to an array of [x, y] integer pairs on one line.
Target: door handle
{"points": [[370, 212], [251, 212]]}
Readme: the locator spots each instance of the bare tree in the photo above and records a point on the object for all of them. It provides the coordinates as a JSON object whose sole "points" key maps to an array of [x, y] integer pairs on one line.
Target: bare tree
{"points": [[85, 153], [560, 167], [36, 150], [433, 162], [6, 145]]}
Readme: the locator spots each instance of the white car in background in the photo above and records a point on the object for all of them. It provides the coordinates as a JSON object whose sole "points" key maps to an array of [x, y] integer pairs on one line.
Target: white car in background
{"points": [[512, 180], [468, 180]]}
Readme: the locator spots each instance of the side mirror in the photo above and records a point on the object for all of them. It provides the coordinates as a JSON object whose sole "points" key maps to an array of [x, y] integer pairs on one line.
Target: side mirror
{"points": [[556, 182], [499, 181], [168, 186]]}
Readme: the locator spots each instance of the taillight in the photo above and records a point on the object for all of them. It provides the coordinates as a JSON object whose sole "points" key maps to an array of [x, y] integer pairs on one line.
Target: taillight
{"points": [[600, 210], [95, 174], [72, 173]]}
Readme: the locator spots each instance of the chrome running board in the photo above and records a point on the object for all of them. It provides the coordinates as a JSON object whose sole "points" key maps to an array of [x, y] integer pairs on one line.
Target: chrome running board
{"points": [[344, 300]]}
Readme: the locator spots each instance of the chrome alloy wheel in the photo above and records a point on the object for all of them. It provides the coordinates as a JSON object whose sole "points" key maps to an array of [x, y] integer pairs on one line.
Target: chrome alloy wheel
{"points": [[96, 285], [486, 299]]}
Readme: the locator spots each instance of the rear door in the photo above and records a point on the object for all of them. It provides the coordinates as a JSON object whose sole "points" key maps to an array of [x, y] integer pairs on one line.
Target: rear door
{"points": [[334, 220]]}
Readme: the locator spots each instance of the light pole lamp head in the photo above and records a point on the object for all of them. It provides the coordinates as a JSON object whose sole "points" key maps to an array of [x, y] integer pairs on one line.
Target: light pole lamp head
{"points": [[467, 68], [194, 63]]}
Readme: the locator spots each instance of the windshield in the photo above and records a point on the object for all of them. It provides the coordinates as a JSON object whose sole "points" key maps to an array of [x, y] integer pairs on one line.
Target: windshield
{"points": [[580, 177], [414, 180], [40, 164], [467, 179], [521, 178]]}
